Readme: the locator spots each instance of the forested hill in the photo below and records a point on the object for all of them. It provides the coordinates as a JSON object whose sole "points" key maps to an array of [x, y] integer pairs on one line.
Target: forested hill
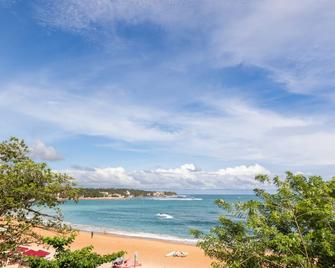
{"points": [[120, 193]]}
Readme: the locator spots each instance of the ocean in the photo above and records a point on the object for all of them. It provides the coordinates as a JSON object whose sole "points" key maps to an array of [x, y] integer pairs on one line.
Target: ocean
{"points": [[159, 218]]}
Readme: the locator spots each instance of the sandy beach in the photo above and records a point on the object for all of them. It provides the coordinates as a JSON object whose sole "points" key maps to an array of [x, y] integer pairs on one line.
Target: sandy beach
{"points": [[151, 253]]}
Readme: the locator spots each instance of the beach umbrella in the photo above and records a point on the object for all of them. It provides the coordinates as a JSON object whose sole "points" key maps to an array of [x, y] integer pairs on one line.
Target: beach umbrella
{"points": [[36, 253]]}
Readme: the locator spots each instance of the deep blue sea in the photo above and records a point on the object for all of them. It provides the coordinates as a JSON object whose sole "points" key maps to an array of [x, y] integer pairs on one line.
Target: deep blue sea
{"points": [[140, 217]]}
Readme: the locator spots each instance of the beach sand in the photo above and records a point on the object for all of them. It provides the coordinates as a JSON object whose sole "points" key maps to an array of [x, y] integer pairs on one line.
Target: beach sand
{"points": [[151, 253]]}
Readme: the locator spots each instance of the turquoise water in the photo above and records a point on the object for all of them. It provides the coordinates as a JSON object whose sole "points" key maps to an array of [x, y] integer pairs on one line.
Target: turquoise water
{"points": [[138, 217]]}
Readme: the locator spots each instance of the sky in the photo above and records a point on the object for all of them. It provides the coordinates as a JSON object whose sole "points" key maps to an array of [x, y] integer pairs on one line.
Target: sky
{"points": [[186, 95]]}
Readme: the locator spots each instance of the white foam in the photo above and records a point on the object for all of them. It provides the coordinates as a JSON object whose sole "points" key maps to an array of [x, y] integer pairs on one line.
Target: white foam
{"points": [[90, 228], [164, 216], [176, 199]]}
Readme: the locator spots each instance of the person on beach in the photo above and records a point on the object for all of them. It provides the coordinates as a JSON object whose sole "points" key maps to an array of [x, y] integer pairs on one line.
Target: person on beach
{"points": [[92, 234]]}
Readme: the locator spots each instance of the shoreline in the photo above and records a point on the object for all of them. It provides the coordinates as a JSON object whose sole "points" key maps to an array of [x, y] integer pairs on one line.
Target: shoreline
{"points": [[182, 241], [126, 234], [151, 252]]}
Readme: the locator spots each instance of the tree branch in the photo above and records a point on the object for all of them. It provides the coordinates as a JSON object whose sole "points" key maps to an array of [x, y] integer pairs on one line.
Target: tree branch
{"points": [[41, 214]]}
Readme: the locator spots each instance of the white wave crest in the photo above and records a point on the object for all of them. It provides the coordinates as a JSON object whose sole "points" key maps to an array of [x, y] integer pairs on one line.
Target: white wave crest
{"points": [[102, 230], [164, 216], [176, 199]]}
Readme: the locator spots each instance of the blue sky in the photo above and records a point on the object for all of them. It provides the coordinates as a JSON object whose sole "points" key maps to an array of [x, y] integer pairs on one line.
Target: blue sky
{"points": [[171, 94]]}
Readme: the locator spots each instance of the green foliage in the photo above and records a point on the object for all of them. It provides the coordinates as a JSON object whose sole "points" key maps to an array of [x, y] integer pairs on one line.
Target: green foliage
{"points": [[294, 227], [65, 258], [59, 243], [27, 188]]}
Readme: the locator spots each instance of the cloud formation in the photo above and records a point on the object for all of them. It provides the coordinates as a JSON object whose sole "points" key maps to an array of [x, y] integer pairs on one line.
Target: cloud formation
{"points": [[92, 115], [235, 130], [185, 177], [43, 152], [289, 39], [219, 81], [104, 177]]}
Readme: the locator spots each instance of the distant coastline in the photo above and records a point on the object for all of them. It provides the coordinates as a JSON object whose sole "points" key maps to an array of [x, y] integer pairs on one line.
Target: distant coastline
{"points": [[121, 198], [120, 194]]}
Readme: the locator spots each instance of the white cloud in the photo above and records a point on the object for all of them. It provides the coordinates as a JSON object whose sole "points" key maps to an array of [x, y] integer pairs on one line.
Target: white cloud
{"points": [[41, 151], [287, 38], [92, 115], [243, 132], [243, 171], [84, 15], [237, 131], [185, 177], [104, 177]]}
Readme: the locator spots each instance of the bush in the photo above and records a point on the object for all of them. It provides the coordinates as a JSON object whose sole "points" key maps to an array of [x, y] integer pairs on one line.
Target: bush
{"points": [[294, 227], [65, 258]]}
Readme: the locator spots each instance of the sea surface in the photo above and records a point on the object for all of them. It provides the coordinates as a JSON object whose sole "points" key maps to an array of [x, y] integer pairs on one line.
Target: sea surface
{"points": [[159, 218]]}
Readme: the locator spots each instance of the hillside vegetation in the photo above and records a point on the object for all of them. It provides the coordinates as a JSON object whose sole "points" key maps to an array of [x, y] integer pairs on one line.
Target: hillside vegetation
{"points": [[120, 193]]}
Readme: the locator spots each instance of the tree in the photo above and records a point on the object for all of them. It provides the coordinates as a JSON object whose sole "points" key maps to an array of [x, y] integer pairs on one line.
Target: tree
{"points": [[64, 257], [293, 227], [27, 190]]}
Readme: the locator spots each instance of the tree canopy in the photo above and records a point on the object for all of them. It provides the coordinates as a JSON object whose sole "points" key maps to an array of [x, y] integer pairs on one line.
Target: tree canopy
{"points": [[29, 195], [292, 227], [64, 257]]}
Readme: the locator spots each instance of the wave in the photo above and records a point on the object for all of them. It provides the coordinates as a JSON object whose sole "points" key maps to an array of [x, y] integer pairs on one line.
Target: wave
{"points": [[164, 216], [90, 228], [176, 198]]}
